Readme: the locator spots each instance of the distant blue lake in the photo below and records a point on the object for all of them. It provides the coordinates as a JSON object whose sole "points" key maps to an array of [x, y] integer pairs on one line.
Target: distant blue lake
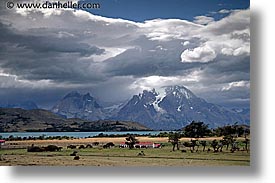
{"points": [[74, 134]]}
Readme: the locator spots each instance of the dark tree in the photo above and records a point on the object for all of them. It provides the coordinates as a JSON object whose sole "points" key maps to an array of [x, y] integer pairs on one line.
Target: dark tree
{"points": [[225, 131], [234, 146], [227, 140], [204, 144], [240, 131], [196, 130], [192, 144], [214, 144], [246, 142], [131, 141], [174, 138], [233, 130]]}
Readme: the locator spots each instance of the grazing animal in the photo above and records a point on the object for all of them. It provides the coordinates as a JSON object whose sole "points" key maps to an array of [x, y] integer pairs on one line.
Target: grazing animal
{"points": [[76, 158], [141, 153], [95, 143], [81, 147], [108, 145], [105, 146], [89, 146], [51, 148], [35, 149], [71, 147], [74, 153]]}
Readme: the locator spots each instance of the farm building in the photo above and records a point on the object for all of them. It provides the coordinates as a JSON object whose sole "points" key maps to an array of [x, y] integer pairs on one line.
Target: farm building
{"points": [[141, 145], [2, 142]]}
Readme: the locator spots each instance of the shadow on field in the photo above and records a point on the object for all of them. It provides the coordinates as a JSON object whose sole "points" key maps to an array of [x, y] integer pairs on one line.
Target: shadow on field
{"points": [[58, 173]]}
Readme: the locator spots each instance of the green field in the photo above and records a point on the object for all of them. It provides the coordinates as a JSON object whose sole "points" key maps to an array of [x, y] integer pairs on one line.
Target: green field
{"points": [[115, 156]]}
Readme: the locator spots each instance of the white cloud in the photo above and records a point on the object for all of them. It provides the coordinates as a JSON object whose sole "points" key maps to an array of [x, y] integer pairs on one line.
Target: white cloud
{"points": [[108, 53], [227, 51], [236, 84], [199, 54], [243, 50], [224, 11], [167, 29], [185, 43], [13, 81], [157, 82], [229, 36], [203, 20]]}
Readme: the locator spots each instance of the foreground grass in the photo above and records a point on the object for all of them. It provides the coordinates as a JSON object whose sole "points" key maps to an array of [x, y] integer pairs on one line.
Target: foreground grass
{"points": [[98, 156]]}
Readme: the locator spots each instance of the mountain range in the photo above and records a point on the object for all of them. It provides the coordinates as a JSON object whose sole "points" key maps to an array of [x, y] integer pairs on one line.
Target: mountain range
{"points": [[171, 108], [75, 105]]}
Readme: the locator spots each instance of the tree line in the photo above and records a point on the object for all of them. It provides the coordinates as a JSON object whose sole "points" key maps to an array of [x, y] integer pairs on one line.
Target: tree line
{"points": [[197, 130], [200, 130]]}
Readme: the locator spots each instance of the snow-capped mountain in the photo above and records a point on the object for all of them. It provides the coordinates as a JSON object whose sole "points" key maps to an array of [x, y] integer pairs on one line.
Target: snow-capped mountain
{"points": [[168, 109], [75, 105], [175, 108], [140, 108]]}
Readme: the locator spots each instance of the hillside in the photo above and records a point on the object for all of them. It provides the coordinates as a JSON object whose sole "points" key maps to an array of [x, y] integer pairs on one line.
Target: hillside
{"points": [[20, 120]]}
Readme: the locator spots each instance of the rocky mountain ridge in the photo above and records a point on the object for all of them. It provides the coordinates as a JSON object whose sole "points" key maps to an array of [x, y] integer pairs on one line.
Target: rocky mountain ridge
{"points": [[172, 108]]}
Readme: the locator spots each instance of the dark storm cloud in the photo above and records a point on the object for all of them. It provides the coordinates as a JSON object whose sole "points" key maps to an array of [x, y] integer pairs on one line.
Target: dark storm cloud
{"points": [[41, 57], [225, 71], [139, 64], [47, 44], [151, 57], [59, 51]]}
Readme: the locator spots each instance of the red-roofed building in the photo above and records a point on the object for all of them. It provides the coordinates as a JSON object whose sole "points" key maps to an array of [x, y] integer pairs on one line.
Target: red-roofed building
{"points": [[142, 145], [2, 142]]}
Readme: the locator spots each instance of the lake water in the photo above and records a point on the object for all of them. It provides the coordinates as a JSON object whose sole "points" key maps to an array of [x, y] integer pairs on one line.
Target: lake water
{"points": [[74, 134]]}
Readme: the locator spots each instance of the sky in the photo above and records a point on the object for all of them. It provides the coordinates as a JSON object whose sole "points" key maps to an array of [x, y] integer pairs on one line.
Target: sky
{"points": [[125, 47], [143, 10]]}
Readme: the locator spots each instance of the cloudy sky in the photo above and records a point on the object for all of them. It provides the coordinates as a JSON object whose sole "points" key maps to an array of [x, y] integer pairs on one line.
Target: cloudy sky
{"points": [[125, 47]]}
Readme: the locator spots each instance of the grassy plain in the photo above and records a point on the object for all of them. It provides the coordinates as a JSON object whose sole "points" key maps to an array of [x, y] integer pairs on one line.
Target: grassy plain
{"points": [[97, 156]]}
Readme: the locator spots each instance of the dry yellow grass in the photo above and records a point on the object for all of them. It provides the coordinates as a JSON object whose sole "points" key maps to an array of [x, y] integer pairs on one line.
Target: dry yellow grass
{"points": [[115, 140], [98, 156]]}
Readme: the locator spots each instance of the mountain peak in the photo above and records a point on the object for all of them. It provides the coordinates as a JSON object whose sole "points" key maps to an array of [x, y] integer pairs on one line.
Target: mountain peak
{"points": [[87, 96], [72, 94], [177, 90], [148, 95]]}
